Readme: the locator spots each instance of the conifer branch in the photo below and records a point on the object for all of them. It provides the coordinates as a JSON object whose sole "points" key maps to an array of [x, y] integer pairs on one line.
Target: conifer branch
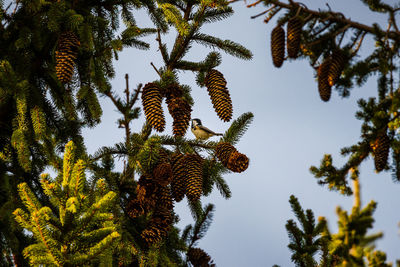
{"points": [[334, 17]]}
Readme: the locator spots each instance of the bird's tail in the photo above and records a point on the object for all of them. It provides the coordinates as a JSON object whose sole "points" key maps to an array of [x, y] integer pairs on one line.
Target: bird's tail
{"points": [[220, 134]]}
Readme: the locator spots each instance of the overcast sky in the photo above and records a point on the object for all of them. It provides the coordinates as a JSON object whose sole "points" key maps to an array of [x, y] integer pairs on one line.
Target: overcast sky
{"points": [[291, 131]]}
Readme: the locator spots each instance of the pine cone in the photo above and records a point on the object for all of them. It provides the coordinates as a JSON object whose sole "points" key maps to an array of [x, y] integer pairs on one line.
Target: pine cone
{"points": [[278, 46], [381, 151], [324, 88], [151, 235], [178, 184], [162, 220], [219, 94], [164, 200], [338, 63], [180, 111], [135, 208], [231, 158], [238, 162], [151, 100], [199, 258], [162, 173], [151, 192], [293, 36], [194, 186], [66, 54]]}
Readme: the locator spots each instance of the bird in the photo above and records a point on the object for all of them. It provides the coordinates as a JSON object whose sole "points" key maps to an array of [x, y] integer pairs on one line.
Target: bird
{"points": [[201, 132]]}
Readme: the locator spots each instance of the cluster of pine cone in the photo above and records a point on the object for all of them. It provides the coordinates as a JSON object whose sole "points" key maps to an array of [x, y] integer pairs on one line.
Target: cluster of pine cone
{"points": [[219, 94], [152, 196], [172, 178], [231, 158], [199, 258], [175, 176], [178, 107], [293, 38], [66, 54], [380, 149], [329, 70]]}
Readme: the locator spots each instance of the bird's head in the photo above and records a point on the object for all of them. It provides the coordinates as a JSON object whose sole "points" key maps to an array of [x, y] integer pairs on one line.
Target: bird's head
{"points": [[196, 122]]}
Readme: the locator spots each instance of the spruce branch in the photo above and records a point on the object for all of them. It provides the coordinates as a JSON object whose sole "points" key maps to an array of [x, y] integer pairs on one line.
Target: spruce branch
{"points": [[227, 46], [333, 17], [238, 128]]}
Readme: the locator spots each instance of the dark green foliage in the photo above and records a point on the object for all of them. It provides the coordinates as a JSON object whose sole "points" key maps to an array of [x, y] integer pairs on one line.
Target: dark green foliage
{"points": [[351, 246], [56, 60], [306, 241]]}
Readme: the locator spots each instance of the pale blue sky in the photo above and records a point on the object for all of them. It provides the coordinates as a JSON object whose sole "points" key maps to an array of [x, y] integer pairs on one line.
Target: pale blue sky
{"points": [[291, 131]]}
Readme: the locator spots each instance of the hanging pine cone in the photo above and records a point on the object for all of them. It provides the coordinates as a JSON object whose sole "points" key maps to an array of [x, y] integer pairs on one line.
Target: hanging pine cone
{"points": [[278, 46], [199, 258], [219, 94], [162, 173], [324, 88], [194, 186], [178, 184], [151, 100], [238, 162], [66, 54], [151, 235], [381, 151], [150, 189], [293, 37], [162, 220], [164, 200], [338, 62], [231, 158], [180, 111], [135, 208]]}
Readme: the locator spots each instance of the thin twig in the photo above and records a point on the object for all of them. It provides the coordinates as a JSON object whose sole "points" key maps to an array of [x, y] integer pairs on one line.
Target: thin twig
{"points": [[329, 36], [160, 46], [359, 44], [126, 117], [260, 14], [272, 14], [16, 6], [135, 97], [159, 74], [127, 87], [343, 34], [254, 4]]}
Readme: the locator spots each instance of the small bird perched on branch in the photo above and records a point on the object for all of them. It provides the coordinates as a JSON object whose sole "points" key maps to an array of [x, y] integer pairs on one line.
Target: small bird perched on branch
{"points": [[201, 132]]}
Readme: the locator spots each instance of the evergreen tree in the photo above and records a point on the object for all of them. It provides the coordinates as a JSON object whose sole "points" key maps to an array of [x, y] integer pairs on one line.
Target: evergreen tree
{"points": [[55, 61], [331, 42], [81, 229]]}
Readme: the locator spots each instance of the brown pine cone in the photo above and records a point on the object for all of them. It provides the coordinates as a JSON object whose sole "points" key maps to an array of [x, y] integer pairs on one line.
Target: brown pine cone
{"points": [[66, 54], [194, 185], [219, 94], [162, 173], [293, 37], [278, 46], [151, 101], [178, 184], [381, 151], [231, 158], [199, 258], [338, 63], [324, 88]]}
